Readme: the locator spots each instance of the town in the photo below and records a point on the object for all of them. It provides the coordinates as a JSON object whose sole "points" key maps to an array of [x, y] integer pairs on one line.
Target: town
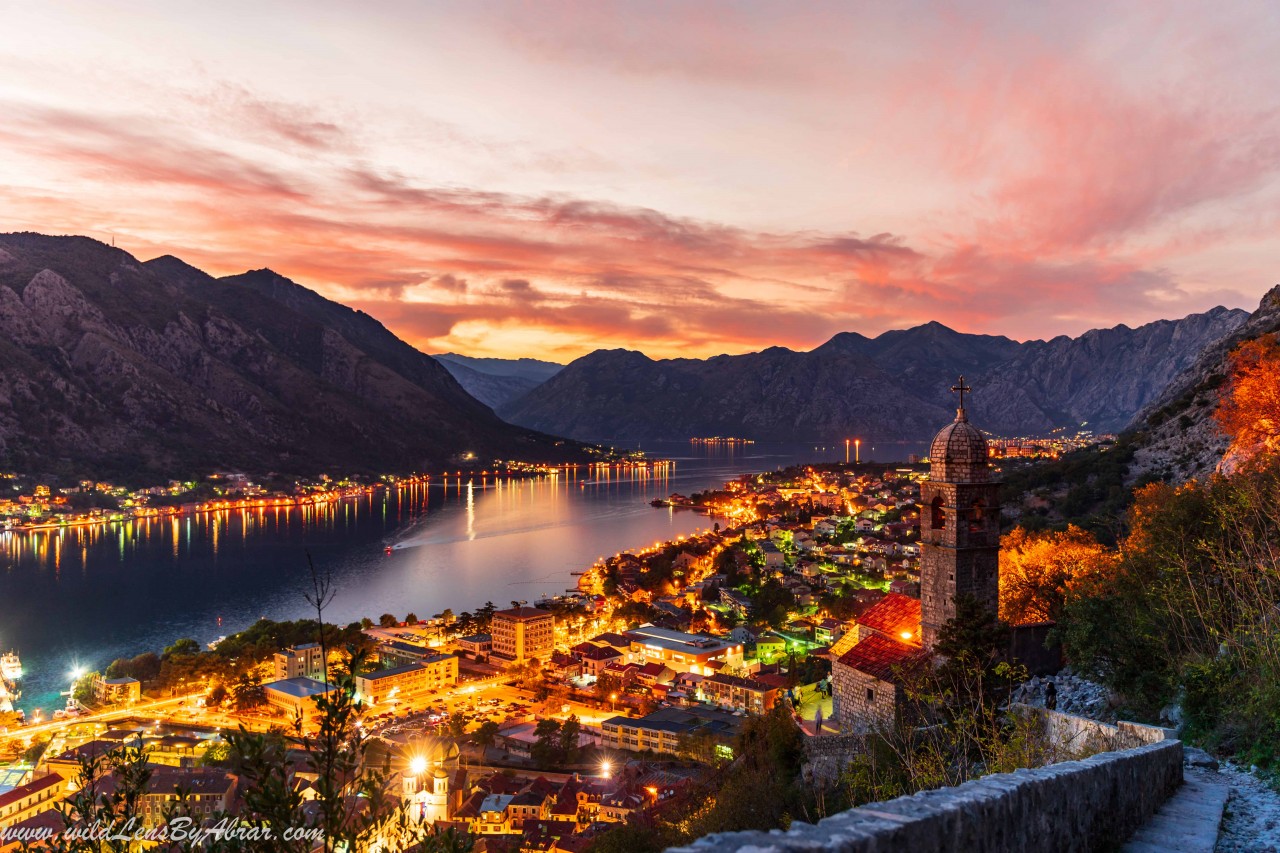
{"points": [[35, 507], [543, 725], [547, 721]]}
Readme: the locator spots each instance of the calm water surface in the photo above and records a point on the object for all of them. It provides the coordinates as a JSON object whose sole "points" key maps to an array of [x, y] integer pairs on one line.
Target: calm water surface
{"points": [[85, 597]]}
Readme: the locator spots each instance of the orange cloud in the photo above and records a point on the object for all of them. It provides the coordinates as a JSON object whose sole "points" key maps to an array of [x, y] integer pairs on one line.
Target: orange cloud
{"points": [[1036, 184]]}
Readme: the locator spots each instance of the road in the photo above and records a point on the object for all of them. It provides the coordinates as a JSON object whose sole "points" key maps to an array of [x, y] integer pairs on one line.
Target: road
{"points": [[142, 709]]}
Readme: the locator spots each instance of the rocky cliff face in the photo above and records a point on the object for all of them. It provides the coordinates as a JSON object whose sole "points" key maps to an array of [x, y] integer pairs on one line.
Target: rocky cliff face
{"points": [[895, 386], [1100, 379], [112, 367], [1176, 436]]}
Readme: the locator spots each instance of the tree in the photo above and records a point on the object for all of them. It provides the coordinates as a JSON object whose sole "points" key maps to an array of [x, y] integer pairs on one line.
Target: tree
{"points": [[185, 646], [972, 645], [387, 620], [411, 618], [486, 734], [366, 622], [1250, 409], [1038, 571], [569, 732], [547, 751], [465, 624], [82, 690], [248, 693], [484, 617], [607, 686], [217, 695], [762, 788]]}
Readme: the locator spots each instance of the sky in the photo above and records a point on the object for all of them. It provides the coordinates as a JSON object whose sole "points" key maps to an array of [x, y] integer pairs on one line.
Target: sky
{"points": [[544, 179]]}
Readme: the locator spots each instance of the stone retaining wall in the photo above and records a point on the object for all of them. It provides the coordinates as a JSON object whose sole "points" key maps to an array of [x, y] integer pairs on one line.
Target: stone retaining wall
{"points": [[827, 756], [1072, 807], [1072, 736]]}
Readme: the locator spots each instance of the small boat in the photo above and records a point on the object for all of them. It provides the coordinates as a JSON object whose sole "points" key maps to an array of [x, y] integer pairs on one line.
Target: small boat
{"points": [[69, 711]]}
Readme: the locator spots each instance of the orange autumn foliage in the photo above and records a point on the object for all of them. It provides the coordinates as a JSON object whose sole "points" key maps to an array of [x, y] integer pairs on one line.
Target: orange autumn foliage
{"points": [[1250, 407], [1039, 570]]}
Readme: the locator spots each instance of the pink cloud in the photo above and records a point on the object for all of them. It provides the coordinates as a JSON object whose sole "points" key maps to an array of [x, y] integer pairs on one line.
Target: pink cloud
{"points": [[1010, 174]]}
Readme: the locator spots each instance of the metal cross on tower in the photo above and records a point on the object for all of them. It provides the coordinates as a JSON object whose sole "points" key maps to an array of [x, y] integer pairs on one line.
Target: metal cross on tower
{"points": [[962, 389]]}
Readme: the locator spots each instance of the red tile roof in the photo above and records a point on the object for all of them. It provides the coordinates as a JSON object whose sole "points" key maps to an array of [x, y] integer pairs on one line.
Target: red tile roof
{"points": [[30, 789], [882, 658], [894, 614]]}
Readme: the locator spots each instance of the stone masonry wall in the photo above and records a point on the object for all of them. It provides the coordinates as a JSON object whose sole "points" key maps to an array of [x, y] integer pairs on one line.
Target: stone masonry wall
{"points": [[1070, 735], [852, 709], [1072, 807]]}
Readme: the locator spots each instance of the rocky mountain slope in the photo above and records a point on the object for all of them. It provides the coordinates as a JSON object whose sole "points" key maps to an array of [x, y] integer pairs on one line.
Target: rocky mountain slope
{"points": [[895, 385], [1175, 435], [497, 381], [110, 367]]}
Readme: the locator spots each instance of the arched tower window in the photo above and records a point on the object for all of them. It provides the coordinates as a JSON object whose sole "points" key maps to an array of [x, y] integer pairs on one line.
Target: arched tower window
{"points": [[937, 518], [977, 516]]}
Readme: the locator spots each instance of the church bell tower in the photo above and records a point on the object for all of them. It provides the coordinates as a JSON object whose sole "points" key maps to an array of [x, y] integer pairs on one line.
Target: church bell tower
{"points": [[959, 524]]}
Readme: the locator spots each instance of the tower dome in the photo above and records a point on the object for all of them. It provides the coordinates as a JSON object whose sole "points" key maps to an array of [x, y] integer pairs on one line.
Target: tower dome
{"points": [[958, 453]]}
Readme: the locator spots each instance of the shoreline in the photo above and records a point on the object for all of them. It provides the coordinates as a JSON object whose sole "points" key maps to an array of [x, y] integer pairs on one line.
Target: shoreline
{"points": [[320, 498]]}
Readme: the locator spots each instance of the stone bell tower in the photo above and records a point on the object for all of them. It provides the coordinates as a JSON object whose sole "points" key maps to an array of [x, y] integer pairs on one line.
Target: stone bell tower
{"points": [[959, 524]]}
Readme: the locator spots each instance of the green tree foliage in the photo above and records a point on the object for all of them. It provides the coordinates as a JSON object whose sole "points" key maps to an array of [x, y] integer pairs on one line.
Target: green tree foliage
{"points": [[484, 617], [772, 603], [487, 734], [144, 667], [388, 620], [547, 751], [762, 788], [82, 690], [570, 729], [184, 646], [1191, 607], [248, 693]]}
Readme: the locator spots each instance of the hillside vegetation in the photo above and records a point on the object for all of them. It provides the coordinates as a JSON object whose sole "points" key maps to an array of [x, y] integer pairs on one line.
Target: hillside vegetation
{"points": [[1183, 611]]}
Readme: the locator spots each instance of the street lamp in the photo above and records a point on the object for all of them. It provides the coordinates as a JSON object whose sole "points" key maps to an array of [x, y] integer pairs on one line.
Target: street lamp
{"points": [[606, 768]]}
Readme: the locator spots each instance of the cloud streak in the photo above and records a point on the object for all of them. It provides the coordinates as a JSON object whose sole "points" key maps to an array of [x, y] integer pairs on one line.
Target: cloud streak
{"points": [[689, 181]]}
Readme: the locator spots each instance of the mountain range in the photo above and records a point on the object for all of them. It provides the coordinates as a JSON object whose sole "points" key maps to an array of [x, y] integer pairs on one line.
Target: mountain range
{"points": [[497, 381], [111, 367], [893, 386]]}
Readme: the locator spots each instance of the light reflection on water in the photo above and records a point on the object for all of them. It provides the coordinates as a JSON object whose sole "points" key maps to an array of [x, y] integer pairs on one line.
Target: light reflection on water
{"points": [[88, 595]]}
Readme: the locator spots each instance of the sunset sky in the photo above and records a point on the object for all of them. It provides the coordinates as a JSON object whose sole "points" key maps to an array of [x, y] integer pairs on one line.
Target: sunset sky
{"points": [[689, 178]]}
